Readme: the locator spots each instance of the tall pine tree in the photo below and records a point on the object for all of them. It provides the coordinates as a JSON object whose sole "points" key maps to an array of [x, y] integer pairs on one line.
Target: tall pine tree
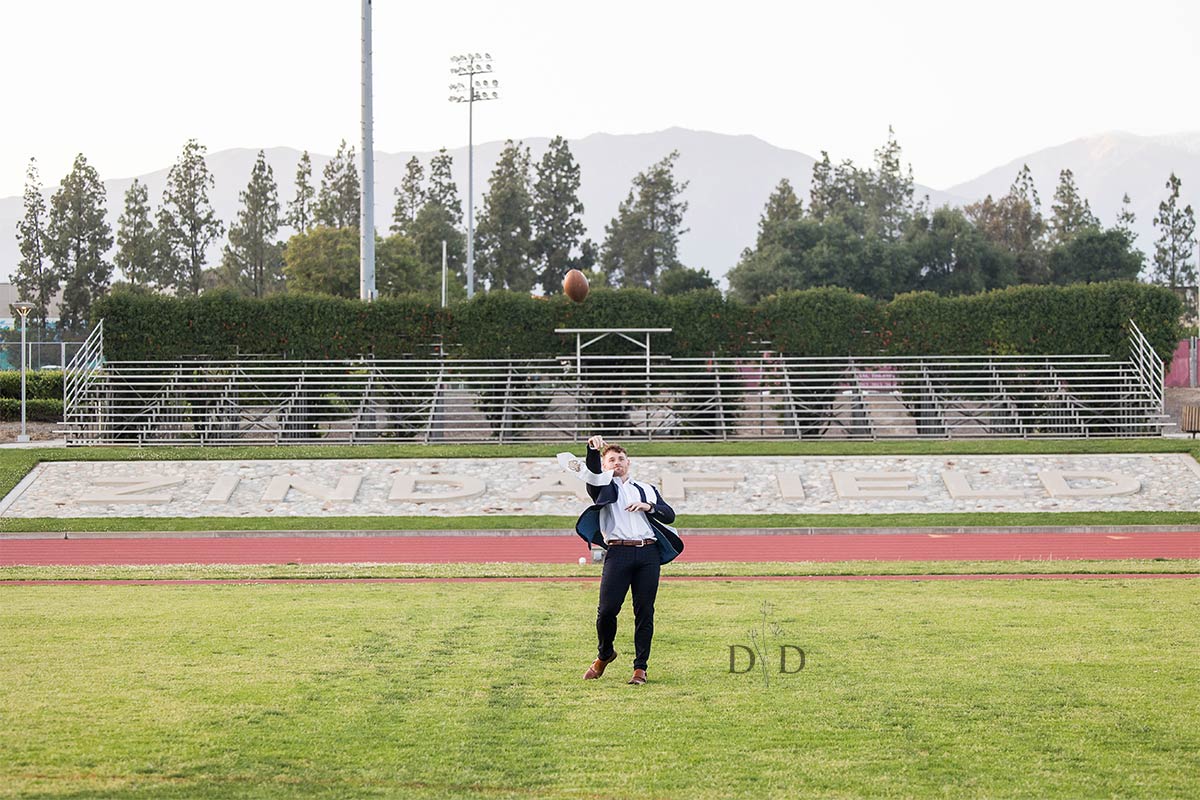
{"points": [[558, 218], [443, 191], [439, 220], [1015, 223], [837, 191], [37, 278], [1071, 213], [339, 200], [763, 269], [410, 196], [643, 239], [137, 238], [1126, 218], [888, 192], [504, 235], [78, 238], [1173, 264], [300, 209], [186, 220], [782, 206], [253, 257]]}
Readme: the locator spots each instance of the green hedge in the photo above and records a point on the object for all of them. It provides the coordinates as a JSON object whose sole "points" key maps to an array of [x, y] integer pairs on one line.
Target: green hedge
{"points": [[35, 410], [817, 322], [821, 322], [507, 324], [41, 384], [703, 322], [1034, 320], [221, 325]]}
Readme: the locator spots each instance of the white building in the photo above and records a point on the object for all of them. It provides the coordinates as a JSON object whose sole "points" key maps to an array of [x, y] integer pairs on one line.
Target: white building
{"points": [[9, 295]]}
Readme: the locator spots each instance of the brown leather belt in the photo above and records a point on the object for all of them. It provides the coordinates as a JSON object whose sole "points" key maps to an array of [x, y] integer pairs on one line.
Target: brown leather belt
{"points": [[630, 542]]}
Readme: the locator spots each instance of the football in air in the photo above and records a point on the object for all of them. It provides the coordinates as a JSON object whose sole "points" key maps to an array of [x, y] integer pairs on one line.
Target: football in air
{"points": [[575, 286]]}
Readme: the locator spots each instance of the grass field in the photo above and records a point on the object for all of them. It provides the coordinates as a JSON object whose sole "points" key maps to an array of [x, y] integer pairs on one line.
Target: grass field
{"points": [[501, 569], [567, 523], [922, 688], [913, 688]]}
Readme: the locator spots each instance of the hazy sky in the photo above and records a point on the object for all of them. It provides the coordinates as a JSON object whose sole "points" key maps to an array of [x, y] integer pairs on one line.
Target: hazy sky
{"points": [[967, 86]]}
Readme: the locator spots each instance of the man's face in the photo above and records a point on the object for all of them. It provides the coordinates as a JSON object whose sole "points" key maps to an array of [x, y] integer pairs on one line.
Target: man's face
{"points": [[617, 463]]}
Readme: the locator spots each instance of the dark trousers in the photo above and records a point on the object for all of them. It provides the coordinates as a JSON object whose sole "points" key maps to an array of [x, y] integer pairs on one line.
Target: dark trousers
{"points": [[625, 568]]}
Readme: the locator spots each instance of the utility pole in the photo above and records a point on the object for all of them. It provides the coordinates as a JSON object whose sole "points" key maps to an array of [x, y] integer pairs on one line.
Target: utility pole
{"points": [[366, 214]]}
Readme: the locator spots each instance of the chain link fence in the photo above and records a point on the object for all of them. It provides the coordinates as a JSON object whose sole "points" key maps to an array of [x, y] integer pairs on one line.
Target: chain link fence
{"points": [[38, 355]]}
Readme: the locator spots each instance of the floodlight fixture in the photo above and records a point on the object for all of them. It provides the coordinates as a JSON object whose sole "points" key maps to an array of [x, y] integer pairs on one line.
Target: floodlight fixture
{"points": [[468, 66]]}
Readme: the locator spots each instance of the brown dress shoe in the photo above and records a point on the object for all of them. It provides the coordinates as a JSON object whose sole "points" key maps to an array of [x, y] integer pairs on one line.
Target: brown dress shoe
{"points": [[639, 677], [597, 668]]}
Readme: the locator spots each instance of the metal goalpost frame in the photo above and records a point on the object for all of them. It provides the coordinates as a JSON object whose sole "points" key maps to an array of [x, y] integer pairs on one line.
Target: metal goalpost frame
{"points": [[597, 334], [638, 396]]}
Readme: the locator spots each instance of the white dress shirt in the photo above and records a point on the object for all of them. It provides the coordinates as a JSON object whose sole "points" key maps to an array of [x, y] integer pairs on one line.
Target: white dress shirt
{"points": [[617, 523]]}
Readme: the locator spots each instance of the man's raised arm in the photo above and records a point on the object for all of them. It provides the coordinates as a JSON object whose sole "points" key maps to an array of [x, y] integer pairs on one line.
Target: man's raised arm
{"points": [[594, 445]]}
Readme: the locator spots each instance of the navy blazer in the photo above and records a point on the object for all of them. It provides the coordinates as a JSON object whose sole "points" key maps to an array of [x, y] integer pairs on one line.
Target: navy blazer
{"points": [[659, 516]]}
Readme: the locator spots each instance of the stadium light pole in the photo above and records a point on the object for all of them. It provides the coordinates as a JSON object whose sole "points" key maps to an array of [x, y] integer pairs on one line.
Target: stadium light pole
{"points": [[23, 308], [471, 91], [366, 212]]}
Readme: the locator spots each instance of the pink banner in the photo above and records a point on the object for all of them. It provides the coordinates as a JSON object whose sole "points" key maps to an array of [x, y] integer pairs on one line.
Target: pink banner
{"points": [[1177, 374]]}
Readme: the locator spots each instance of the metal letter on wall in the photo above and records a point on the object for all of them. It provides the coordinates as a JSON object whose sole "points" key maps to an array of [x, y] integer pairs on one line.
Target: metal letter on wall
{"points": [[1056, 483], [553, 485], [960, 488], [676, 484], [790, 486], [461, 487], [859, 485], [345, 491], [222, 490], [132, 490]]}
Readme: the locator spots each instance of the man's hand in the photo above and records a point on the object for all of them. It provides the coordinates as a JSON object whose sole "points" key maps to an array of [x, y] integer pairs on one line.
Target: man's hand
{"points": [[596, 442], [639, 507]]}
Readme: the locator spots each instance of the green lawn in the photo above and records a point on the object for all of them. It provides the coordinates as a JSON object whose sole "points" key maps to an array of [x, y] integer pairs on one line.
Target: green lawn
{"points": [[977, 689], [567, 523], [500, 569]]}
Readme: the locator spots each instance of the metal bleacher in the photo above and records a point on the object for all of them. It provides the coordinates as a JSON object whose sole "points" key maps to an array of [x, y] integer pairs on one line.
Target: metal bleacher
{"points": [[636, 396]]}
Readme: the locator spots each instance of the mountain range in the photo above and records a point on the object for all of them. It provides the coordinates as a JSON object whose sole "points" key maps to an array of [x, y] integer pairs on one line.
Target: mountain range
{"points": [[728, 181]]}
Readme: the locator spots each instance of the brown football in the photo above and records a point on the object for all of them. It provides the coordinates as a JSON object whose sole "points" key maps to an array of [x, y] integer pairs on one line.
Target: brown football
{"points": [[575, 286]]}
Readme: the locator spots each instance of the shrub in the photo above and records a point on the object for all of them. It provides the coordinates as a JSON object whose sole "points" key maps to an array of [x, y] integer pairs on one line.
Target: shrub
{"points": [[1029, 320], [1035, 320], [35, 410], [820, 322], [224, 324], [39, 384]]}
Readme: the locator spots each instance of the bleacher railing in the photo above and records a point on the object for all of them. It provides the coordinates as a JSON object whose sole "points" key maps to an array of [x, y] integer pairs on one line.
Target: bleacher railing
{"points": [[1148, 364], [79, 375], [764, 396]]}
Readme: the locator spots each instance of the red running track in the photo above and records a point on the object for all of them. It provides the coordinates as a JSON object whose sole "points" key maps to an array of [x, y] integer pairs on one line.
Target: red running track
{"points": [[568, 549], [974, 576]]}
